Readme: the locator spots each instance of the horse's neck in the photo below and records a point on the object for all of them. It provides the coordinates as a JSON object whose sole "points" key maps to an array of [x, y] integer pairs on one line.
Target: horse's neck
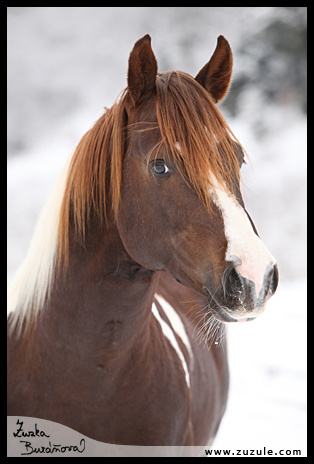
{"points": [[102, 305]]}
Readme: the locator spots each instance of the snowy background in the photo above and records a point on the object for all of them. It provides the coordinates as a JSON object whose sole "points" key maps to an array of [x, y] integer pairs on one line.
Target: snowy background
{"points": [[66, 63]]}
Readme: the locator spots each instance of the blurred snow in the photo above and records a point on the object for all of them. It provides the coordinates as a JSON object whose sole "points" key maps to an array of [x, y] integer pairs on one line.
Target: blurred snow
{"points": [[64, 65], [267, 358]]}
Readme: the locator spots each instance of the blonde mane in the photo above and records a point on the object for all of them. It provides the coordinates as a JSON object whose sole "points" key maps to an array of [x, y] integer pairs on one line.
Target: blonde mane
{"points": [[32, 282]]}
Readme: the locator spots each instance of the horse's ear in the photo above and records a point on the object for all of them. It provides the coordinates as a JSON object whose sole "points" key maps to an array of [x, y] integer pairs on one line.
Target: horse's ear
{"points": [[215, 76], [142, 70]]}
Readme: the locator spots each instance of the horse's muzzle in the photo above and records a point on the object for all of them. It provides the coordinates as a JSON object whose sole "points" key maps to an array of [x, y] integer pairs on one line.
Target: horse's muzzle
{"points": [[238, 300], [237, 286]]}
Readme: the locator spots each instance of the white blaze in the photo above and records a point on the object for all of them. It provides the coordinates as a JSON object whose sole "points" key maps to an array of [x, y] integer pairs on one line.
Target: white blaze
{"points": [[243, 243]]}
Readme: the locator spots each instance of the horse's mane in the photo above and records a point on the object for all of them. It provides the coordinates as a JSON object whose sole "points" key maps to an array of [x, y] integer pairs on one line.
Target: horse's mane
{"points": [[94, 174], [186, 115]]}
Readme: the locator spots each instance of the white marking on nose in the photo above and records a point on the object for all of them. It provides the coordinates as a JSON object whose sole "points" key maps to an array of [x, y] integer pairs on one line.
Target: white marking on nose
{"points": [[245, 249], [169, 334]]}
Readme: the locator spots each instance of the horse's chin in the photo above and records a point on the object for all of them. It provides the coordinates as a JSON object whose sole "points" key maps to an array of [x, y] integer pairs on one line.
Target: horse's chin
{"points": [[226, 315], [222, 315]]}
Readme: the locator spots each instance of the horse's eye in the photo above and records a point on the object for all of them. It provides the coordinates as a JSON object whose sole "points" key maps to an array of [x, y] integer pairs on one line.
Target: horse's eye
{"points": [[159, 167]]}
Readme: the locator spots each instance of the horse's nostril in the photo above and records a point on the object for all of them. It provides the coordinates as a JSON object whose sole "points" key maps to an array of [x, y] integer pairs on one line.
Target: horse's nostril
{"points": [[274, 280], [235, 281]]}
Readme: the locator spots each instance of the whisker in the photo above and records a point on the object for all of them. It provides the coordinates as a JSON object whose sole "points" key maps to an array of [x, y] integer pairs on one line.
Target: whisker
{"points": [[208, 330]]}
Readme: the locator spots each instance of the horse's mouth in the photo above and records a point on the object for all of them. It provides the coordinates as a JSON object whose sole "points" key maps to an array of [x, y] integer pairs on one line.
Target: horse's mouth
{"points": [[225, 314]]}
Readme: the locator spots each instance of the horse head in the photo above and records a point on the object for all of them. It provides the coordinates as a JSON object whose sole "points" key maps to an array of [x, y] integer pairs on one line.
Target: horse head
{"points": [[181, 207]]}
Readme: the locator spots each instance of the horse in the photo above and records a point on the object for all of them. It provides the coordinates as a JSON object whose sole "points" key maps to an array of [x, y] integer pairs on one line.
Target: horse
{"points": [[143, 246]]}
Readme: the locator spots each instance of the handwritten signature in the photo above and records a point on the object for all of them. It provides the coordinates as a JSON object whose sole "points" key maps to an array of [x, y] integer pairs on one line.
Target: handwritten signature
{"points": [[47, 448]]}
